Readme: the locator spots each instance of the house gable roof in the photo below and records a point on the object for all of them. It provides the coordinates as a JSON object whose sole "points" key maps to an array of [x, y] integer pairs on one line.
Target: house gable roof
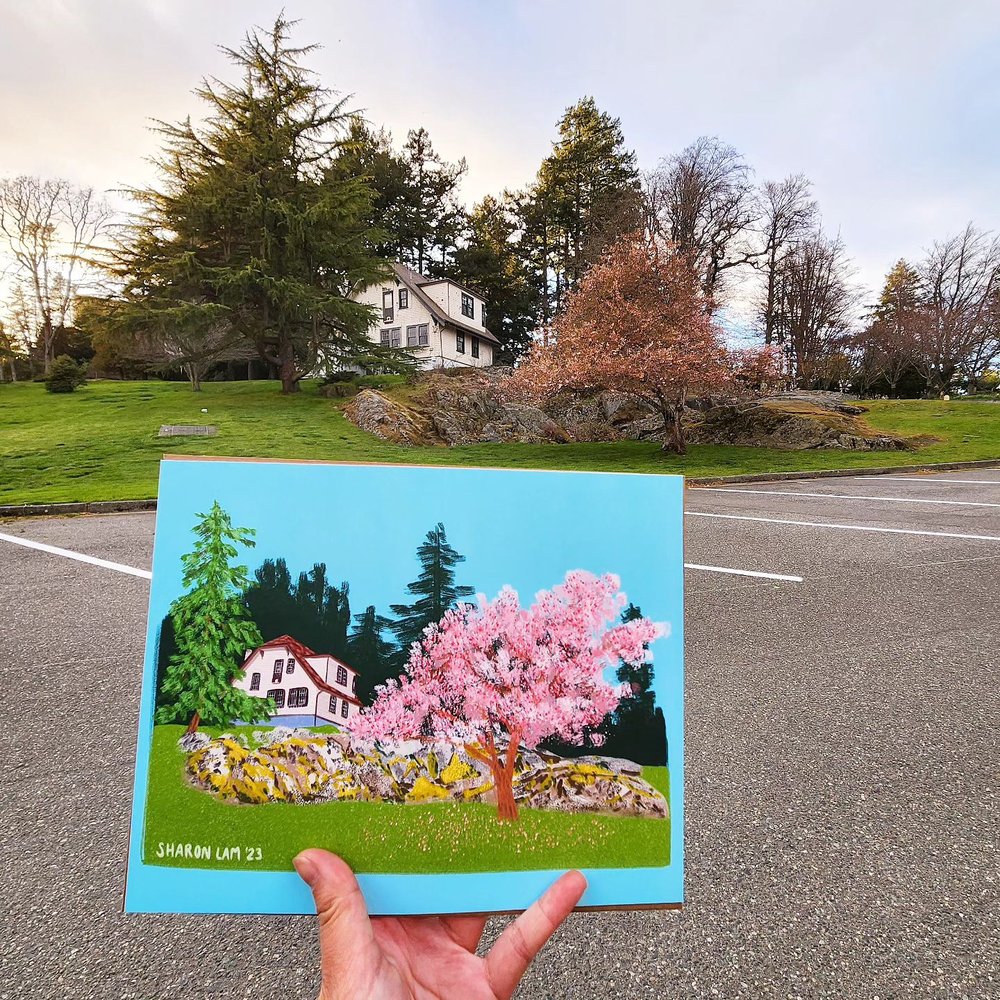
{"points": [[414, 280], [302, 653]]}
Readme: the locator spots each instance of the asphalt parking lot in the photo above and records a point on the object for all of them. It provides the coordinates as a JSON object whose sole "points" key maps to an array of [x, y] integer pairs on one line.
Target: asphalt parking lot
{"points": [[843, 767]]}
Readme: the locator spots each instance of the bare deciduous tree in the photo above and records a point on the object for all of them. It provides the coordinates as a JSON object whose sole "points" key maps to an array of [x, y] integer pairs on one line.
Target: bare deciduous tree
{"points": [[788, 214], [960, 277], [47, 226], [703, 200], [816, 302]]}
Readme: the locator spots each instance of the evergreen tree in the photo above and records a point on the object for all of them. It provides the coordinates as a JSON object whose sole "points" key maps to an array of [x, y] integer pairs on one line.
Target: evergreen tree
{"points": [[370, 653], [433, 216], [251, 236], [586, 195], [490, 263], [435, 590], [369, 155], [323, 610], [212, 632]]}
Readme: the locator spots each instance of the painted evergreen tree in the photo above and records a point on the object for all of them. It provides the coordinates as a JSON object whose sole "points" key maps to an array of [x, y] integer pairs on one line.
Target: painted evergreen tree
{"points": [[435, 590], [212, 632], [251, 237], [370, 653]]}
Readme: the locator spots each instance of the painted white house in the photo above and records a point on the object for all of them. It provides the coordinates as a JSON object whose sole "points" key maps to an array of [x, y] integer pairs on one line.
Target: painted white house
{"points": [[435, 319], [308, 688]]}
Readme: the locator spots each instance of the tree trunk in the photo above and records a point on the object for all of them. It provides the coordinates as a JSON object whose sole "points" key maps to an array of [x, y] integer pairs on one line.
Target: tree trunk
{"points": [[674, 439], [193, 724], [502, 772], [194, 377]]}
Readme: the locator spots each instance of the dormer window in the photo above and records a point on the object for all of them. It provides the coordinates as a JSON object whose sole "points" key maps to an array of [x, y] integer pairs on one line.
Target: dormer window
{"points": [[404, 298], [468, 306], [388, 301]]}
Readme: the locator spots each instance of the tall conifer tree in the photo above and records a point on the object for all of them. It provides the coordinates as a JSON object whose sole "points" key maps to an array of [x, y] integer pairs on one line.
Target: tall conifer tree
{"points": [[435, 589], [250, 233]]}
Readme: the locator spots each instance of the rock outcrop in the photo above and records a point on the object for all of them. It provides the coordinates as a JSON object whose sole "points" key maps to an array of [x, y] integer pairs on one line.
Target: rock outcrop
{"points": [[471, 407], [795, 421], [301, 766]]}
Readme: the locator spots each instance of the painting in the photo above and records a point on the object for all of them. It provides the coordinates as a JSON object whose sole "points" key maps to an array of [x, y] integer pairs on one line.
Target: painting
{"points": [[463, 681]]}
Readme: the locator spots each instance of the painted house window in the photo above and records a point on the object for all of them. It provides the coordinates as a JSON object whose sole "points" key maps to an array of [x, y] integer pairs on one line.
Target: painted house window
{"points": [[342, 676], [255, 682], [475, 347], [404, 298], [468, 306], [354, 684], [290, 667], [344, 709], [460, 343], [279, 665], [417, 336], [298, 697], [387, 305], [333, 704], [277, 696]]}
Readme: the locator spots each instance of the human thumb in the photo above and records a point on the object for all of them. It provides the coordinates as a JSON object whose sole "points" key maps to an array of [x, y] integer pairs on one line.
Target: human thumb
{"points": [[347, 944]]}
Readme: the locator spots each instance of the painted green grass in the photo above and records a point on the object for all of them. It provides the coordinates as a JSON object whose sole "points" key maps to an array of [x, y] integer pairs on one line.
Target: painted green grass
{"points": [[387, 837], [100, 443]]}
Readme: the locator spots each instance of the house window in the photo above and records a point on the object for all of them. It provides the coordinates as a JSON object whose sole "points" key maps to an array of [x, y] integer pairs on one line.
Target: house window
{"points": [[290, 667], [404, 298], [354, 684], [277, 696], [387, 305], [460, 343], [255, 682], [344, 709], [417, 336], [333, 704], [298, 697], [383, 336], [475, 347], [482, 314], [394, 335], [468, 306], [342, 676], [279, 665]]}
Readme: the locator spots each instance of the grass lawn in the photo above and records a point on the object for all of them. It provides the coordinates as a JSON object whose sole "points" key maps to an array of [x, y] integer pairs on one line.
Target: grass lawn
{"points": [[389, 837], [100, 443]]}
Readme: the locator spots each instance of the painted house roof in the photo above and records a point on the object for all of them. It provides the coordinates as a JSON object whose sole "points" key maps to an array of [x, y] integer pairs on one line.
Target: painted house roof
{"points": [[302, 654], [415, 281]]}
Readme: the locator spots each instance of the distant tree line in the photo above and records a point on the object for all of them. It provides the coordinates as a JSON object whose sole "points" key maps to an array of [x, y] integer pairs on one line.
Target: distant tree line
{"points": [[240, 261]]}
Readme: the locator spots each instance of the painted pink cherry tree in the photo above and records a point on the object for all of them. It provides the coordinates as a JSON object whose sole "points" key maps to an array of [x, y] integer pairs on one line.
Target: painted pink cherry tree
{"points": [[495, 675]]}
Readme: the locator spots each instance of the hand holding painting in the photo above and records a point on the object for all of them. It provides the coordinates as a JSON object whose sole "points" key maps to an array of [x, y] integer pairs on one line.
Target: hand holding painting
{"points": [[399, 958]]}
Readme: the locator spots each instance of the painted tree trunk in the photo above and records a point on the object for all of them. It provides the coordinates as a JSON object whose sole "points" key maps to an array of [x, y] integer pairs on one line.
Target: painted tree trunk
{"points": [[193, 724], [502, 772]]}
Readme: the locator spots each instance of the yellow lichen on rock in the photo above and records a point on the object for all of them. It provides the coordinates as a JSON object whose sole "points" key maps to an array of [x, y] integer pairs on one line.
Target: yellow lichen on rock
{"points": [[425, 790]]}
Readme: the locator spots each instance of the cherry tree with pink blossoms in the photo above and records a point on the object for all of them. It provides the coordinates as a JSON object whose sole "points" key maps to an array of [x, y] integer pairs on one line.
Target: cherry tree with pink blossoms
{"points": [[494, 676]]}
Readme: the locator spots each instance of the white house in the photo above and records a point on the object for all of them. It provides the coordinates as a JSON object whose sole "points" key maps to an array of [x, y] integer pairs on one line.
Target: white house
{"points": [[308, 688], [436, 319]]}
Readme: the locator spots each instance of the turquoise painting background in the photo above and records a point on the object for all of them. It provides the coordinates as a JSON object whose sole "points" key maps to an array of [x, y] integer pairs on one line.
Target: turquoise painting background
{"points": [[522, 528]]}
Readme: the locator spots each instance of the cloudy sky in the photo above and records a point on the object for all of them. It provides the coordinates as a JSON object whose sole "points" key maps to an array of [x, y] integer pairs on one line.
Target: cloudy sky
{"points": [[891, 107]]}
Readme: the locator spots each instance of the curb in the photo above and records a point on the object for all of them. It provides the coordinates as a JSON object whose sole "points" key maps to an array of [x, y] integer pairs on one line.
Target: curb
{"points": [[131, 506], [869, 470], [93, 507]]}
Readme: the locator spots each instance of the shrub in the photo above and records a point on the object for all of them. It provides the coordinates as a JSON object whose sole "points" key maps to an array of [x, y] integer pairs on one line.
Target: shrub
{"points": [[65, 375]]}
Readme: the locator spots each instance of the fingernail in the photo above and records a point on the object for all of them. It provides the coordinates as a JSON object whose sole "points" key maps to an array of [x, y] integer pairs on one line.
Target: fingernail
{"points": [[306, 867]]}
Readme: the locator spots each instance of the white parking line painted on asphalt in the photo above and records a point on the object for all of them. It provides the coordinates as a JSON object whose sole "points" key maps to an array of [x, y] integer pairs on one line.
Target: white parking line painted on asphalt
{"points": [[846, 496], [78, 556], [846, 527], [744, 572], [146, 575], [933, 482]]}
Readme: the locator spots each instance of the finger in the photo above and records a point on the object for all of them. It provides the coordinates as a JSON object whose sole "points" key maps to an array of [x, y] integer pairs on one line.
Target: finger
{"points": [[523, 939], [345, 932], [466, 932]]}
